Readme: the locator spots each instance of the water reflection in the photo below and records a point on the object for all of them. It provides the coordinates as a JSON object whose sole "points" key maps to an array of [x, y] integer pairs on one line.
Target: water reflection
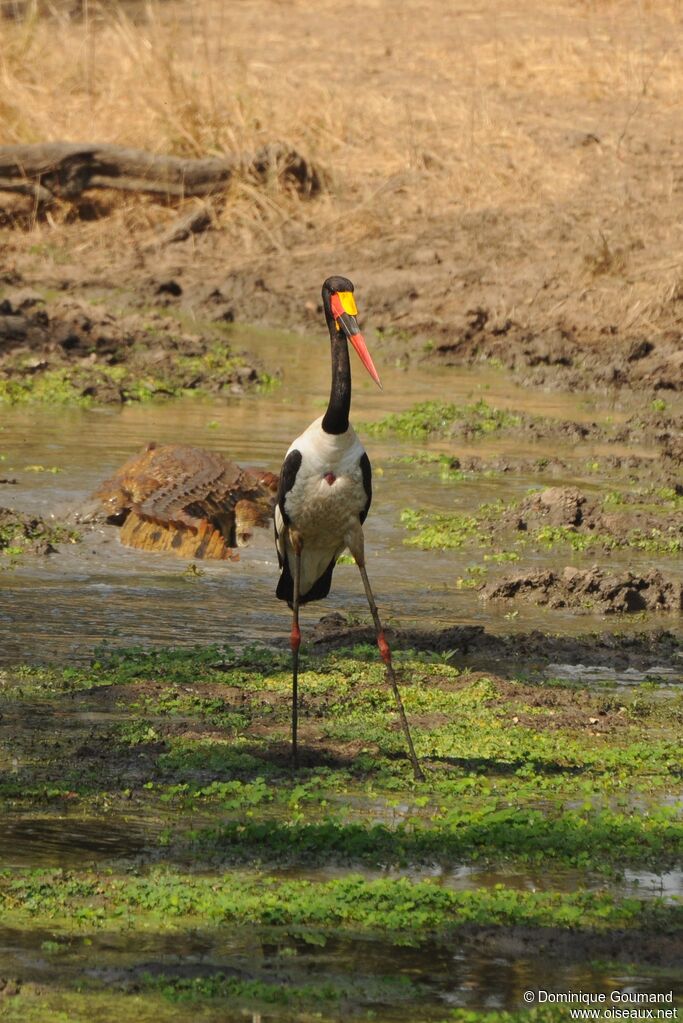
{"points": [[486, 971]]}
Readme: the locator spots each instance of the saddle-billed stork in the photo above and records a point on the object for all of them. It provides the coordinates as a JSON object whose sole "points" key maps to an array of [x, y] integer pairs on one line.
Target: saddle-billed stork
{"points": [[324, 496]]}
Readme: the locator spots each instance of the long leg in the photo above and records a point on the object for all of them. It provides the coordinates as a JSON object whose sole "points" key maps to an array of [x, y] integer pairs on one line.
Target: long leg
{"points": [[385, 654], [295, 642]]}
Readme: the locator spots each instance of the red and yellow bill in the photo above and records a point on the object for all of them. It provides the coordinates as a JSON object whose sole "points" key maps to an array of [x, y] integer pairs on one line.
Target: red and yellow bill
{"points": [[344, 310]]}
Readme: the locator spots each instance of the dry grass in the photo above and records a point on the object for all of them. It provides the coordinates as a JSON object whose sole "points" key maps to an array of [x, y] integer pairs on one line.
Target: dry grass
{"points": [[534, 146]]}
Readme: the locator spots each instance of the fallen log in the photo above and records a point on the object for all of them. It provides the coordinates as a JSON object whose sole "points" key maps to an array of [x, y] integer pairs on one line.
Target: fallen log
{"points": [[65, 170]]}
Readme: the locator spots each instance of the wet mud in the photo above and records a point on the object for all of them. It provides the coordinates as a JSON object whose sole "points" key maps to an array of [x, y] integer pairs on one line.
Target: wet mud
{"points": [[66, 349], [592, 589], [641, 651], [615, 466], [557, 358], [581, 513], [22, 533], [86, 327], [412, 309]]}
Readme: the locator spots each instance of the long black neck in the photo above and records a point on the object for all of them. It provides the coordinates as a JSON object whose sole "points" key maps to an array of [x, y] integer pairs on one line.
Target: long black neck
{"points": [[336, 419]]}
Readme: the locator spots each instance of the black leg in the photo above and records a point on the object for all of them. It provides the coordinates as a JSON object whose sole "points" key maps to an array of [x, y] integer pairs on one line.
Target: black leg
{"points": [[385, 654], [295, 642]]}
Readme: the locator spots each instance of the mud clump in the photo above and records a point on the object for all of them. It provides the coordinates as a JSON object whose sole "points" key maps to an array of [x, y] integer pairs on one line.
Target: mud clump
{"points": [[556, 506], [591, 589], [672, 450], [69, 351], [29, 534], [570, 511]]}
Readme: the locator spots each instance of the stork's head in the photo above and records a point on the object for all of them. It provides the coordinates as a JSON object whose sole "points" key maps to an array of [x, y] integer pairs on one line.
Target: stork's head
{"points": [[340, 313]]}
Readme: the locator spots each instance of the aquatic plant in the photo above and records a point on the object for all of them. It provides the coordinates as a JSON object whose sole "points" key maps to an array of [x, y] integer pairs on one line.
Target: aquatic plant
{"points": [[429, 418]]}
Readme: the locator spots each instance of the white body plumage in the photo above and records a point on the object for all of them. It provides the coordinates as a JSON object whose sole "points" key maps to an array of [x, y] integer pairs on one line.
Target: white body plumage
{"points": [[325, 503]]}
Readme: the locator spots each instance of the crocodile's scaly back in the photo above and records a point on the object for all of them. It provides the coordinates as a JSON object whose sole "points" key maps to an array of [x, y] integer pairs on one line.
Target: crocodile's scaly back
{"points": [[186, 500]]}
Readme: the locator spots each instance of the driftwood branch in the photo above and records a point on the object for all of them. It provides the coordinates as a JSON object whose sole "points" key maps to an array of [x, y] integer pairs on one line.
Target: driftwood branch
{"points": [[64, 170], [198, 220]]}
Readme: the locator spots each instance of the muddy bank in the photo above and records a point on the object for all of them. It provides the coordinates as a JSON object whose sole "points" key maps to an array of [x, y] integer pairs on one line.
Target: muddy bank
{"points": [[535, 355], [419, 301], [648, 519], [413, 308], [480, 420], [592, 589], [613, 515], [30, 534], [661, 470], [641, 651], [66, 350], [557, 358], [158, 337]]}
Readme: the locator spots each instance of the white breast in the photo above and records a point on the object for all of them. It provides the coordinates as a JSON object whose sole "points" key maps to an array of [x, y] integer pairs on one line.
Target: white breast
{"points": [[325, 515]]}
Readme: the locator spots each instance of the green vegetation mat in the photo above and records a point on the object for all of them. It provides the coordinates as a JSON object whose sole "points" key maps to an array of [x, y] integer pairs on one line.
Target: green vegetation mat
{"points": [[162, 860]]}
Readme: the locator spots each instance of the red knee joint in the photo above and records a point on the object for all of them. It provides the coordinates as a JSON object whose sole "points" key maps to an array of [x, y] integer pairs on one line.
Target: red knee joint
{"points": [[385, 652], [295, 638]]}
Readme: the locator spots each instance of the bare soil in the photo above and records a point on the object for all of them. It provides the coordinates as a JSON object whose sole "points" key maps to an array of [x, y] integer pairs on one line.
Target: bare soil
{"points": [[593, 589]]}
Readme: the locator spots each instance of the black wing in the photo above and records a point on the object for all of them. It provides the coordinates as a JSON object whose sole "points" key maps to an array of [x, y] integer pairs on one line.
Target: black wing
{"points": [[290, 468], [366, 469]]}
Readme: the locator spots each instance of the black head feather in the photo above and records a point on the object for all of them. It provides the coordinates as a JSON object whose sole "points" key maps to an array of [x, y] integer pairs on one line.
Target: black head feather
{"points": [[333, 284]]}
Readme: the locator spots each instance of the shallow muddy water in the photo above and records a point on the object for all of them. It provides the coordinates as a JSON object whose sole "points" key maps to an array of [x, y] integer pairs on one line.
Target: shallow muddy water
{"points": [[380, 976], [60, 607], [632, 883]]}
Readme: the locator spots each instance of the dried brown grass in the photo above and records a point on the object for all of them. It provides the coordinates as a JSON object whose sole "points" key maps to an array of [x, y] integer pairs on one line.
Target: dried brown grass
{"points": [[538, 144]]}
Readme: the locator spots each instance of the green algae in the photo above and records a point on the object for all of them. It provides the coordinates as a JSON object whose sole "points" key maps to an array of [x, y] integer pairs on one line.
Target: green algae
{"points": [[199, 731], [486, 527], [447, 467], [409, 910], [436, 418], [53, 387], [523, 835], [444, 530]]}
